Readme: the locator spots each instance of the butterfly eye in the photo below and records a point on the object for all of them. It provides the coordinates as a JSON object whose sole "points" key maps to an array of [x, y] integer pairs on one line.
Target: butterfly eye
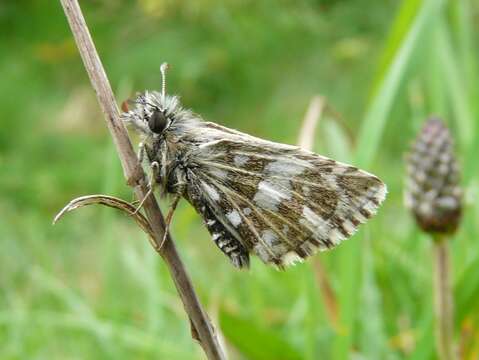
{"points": [[157, 122]]}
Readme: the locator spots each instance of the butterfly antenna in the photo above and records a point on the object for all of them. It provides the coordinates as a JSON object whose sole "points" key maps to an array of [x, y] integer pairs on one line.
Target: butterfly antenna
{"points": [[163, 69]]}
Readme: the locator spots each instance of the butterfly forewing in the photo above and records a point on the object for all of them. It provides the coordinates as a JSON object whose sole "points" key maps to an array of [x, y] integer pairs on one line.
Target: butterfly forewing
{"points": [[285, 203]]}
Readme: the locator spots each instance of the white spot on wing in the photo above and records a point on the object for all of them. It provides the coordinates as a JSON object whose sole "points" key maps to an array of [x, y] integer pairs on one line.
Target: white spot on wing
{"points": [[234, 217], [370, 207], [229, 248], [240, 160], [340, 170], [211, 191], [218, 173], [222, 243], [269, 237], [317, 221], [359, 217], [262, 253], [349, 226], [307, 247], [270, 195], [247, 211], [306, 190], [381, 194], [290, 258], [335, 236], [287, 168], [330, 180]]}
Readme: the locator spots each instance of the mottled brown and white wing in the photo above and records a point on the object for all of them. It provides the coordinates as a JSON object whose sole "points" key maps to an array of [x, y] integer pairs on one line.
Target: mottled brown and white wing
{"points": [[281, 202]]}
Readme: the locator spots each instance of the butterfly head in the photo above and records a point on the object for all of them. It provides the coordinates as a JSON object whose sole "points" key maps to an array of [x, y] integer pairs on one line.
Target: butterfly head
{"points": [[158, 121], [153, 112]]}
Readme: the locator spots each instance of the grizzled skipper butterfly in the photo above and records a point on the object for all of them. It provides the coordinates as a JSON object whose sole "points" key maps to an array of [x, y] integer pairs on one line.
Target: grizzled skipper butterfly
{"points": [[279, 202]]}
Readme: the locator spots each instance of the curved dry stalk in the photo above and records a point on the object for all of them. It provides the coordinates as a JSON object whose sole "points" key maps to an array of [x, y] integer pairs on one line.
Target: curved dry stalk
{"points": [[202, 329], [113, 202], [306, 141]]}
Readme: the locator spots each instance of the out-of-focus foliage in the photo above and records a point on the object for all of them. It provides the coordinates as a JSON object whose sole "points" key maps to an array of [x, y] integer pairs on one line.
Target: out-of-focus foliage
{"points": [[91, 287]]}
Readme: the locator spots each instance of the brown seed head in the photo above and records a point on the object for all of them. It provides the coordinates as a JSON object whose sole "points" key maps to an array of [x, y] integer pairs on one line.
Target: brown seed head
{"points": [[433, 192]]}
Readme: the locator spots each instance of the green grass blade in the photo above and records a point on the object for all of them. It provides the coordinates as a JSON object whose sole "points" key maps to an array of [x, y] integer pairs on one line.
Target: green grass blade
{"points": [[255, 342], [456, 87], [466, 37], [379, 107], [372, 338], [399, 30]]}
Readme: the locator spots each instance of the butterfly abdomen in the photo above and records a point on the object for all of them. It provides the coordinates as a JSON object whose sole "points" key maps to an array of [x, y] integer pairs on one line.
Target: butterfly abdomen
{"points": [[222, 237]]}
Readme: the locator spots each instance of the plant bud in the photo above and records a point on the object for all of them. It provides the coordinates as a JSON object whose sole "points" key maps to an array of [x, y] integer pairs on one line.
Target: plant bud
{"points": [[433, 192]]}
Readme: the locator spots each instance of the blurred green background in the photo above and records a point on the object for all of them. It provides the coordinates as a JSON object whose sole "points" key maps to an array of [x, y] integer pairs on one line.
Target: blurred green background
{"points": [[93, 288]]}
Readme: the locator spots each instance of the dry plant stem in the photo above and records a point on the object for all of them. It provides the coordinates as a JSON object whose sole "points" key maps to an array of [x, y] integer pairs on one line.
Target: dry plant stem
{"points": [[443, 300], [202, 328], [306, 141], [110, 201], [310, 122]]}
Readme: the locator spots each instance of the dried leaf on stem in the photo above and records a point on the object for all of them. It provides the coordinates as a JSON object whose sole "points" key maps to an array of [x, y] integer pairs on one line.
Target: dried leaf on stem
{"points": [[109, 201]]}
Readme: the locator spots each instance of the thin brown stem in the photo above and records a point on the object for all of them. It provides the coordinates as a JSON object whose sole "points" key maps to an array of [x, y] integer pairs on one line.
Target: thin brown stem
{"points": [[443, 300], [306, 141], [202, 329]]}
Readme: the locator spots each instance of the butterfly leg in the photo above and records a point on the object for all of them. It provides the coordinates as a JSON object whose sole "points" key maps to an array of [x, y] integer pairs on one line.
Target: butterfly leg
{"points": [[152, 182], [169, 217]]}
